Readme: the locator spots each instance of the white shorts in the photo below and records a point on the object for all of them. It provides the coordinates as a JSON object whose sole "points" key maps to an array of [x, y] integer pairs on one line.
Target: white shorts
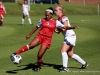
{"points": [[70, 40], [25, 13]]}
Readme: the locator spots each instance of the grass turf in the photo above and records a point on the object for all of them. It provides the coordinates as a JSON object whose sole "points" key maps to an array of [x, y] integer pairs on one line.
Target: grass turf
{"points": [[12, 36]]}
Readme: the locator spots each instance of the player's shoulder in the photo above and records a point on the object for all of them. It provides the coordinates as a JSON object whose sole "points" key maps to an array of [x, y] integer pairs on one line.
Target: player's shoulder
{"points": [[24, 4], [43, 19], [2, 5], [64, 16], [54, 19]]}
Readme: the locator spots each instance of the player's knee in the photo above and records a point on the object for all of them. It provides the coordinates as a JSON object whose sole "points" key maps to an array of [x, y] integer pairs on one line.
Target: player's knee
{"points": [[23, 17], [31, 46], [70, 55], [62, 51]]}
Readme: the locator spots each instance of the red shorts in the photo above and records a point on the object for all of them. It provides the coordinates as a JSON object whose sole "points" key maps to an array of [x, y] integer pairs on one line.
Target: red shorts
{"points": [[44, 40]]}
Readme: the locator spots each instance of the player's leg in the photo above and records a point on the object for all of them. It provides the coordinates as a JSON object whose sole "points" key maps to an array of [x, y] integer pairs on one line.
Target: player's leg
{"points": [[64, 49], [33, 44], [41, 52], [1, 20], [29, 19], [23, 19], [76, 57]]}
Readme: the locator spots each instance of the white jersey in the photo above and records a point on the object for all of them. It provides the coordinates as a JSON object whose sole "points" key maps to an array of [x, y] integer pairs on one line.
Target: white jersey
{"points": [[69, 35], [68, 32], [25, 7]]}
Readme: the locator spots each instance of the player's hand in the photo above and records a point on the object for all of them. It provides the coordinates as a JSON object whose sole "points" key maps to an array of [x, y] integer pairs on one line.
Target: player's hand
{"points": [[75, 27], [27, 37], [56, 31]]}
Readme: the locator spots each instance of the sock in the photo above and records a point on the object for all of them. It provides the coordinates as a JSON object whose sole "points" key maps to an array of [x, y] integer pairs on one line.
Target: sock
{"points": [[64, 59], [22, 21], [29, 20], [23, 49], [39, 62], [78, 58]]}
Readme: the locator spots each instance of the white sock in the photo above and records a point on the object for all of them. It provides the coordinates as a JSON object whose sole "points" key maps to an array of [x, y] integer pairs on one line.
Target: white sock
{"points": [[78, 58], [29, 20], [64, 59], [22, 21]]}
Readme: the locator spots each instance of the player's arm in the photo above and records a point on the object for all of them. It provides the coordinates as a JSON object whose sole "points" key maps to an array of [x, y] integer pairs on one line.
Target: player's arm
{"points": [[57, 31], [22, 7], [4, 10], [34, 29], [66, 27], [59, 27]]}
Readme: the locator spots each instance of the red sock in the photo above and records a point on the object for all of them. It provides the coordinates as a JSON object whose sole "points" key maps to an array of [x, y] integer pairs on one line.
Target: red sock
{"points": [[39, 62], [23, 49]]}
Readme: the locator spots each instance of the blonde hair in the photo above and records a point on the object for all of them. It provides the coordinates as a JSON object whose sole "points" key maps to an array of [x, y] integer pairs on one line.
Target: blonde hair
{"points": [[60, 7]]}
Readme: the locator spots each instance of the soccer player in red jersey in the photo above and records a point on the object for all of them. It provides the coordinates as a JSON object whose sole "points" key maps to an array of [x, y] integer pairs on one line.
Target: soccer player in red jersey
{"points": [[2, 12], [47, 27]]}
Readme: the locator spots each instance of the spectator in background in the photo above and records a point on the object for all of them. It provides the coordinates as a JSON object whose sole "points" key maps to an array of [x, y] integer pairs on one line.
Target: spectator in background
{"points": [[2, 12]]}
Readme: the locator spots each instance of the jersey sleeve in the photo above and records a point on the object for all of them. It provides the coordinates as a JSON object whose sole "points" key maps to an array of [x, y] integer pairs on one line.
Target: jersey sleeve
{"points": [[59, 24], [64, 18], [39, 23]]}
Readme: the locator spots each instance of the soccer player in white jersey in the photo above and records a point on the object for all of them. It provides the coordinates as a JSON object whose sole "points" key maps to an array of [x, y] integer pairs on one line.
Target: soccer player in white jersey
{"points": [[67, 48], [25, 12]]}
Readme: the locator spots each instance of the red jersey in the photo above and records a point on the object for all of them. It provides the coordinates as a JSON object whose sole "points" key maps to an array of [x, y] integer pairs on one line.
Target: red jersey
{"points": [[2, 8], [47, 27]]}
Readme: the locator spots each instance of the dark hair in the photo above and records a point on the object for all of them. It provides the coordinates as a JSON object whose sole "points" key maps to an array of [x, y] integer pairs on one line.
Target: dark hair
{"points": [[51, 9]]}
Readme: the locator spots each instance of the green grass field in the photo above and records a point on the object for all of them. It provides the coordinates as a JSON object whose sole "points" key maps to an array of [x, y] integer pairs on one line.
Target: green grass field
{"points": [[12, 36]]}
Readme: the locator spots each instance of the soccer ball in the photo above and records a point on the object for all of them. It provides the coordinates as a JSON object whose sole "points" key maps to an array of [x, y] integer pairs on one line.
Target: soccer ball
{"points": [[16, 59]]}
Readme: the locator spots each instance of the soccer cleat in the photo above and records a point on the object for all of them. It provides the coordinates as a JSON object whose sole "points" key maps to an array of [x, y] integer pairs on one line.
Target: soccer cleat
{"points": [[13, 54], [64, 69], [84, 66], [22, 24], [31, 24], [37, 69]]}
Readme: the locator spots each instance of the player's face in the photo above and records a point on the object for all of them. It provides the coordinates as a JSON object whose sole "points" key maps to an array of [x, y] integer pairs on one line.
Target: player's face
{"points": [[0, 3], [57, 11], [48, 15], [25, 2]]}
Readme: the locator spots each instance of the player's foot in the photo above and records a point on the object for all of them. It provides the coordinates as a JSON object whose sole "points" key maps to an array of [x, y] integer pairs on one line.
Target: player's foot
{"points": [[84, 66], [13, 54], [31, 24], [64, 69], [37, 69], [22, 24], [1, 24]]}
